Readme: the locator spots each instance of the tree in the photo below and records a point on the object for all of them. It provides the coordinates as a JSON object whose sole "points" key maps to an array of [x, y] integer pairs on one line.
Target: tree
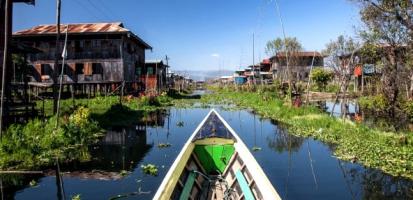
{"points": [[321, 77], [288, 47], [335, 52], [290, 44], [389, 26], [336, 48]]}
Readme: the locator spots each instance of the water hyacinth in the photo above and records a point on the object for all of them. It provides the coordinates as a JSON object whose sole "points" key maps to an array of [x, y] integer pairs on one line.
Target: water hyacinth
{"points": [[38, 143], [386, 150], [150, 169]]}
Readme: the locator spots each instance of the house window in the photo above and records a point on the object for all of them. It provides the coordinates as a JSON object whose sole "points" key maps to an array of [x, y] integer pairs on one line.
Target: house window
{"points": [[78, 46], [138, 71], [97, 68], [45, 69], [79, 68], [150, 71], [96, 43]]}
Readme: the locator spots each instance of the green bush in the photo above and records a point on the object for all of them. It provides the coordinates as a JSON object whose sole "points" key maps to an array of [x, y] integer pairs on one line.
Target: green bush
{"points": [[408, 108], [321, 77], [39, 142], [377, 103]]}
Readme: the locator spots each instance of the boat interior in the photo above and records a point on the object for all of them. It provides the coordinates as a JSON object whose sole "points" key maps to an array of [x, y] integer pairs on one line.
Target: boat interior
{"points": [[214, 169]]}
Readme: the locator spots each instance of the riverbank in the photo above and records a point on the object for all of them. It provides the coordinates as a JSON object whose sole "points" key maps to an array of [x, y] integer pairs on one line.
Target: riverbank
{"points": [[39, 143], [389, 151]]}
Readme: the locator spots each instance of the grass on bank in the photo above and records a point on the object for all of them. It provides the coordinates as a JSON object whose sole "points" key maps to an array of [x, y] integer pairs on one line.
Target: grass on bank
{"points": [[38, 143], [389, 151]]}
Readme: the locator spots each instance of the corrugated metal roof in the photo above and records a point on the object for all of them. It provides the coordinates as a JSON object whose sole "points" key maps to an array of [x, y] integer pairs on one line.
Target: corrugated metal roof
{"points": [[75, 28], [153, 61], [79, 28], [300, 54]]}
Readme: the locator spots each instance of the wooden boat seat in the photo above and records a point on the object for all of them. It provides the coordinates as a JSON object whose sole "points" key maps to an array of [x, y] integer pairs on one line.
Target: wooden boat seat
{"points": [[186, 192], [244, 185]]}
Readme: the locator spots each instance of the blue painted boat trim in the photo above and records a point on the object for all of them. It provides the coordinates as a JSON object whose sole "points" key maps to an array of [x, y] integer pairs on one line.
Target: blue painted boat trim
{"points": [[244, 186]]}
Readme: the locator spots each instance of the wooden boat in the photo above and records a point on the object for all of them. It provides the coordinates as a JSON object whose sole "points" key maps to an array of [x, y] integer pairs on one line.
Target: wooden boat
{"points": [[215, 164]]}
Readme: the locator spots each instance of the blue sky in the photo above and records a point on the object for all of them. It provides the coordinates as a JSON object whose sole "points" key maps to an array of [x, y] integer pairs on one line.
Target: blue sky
{"points": [[206, 34]]}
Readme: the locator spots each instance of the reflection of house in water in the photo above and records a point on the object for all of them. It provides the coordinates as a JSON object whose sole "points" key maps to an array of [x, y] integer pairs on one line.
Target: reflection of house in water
{"points": [[120, 149], [155, 118]]}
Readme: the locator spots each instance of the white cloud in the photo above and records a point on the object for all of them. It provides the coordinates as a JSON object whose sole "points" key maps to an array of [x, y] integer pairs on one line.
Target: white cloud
{"points": [[215, 55]]}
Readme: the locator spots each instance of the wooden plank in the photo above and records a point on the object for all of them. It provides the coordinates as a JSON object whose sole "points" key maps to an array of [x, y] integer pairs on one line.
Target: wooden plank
{"points": [[244, 186], [186, 192]]}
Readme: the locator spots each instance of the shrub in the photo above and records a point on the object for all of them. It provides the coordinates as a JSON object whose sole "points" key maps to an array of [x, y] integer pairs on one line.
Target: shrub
{"points": [[38, 142], [321, 77], [377, 103]]}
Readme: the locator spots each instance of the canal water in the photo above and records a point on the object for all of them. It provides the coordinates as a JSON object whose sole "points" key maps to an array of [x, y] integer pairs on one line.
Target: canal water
{"points": [[299, 168], [352, 111]]}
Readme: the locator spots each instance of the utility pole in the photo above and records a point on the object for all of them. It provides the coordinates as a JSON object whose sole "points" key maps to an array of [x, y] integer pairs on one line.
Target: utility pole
{"points": [[253, 58], [7, 8], [168, 81], [57, 54], [167, 60], [286, 49]]}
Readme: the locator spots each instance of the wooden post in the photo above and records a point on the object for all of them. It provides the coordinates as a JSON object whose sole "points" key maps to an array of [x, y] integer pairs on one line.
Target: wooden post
{"points": [[57, 54], [121, 92], [72, 92], [362, 80], [8, 3]]}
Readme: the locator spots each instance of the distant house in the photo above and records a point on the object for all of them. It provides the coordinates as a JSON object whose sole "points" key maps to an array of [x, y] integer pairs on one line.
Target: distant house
{"points": [[299, 63], [154, 75], [239, 77], [266, 72], [96, 52], [226, 79]]}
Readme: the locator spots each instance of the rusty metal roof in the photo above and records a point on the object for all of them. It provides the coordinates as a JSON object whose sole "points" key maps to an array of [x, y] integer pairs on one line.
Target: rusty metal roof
{"points": [[75, 28], [79, 28], [300, 54]]}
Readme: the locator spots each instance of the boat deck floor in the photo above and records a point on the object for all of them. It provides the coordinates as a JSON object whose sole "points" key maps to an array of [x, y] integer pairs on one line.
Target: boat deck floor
{"points": [[214, 190]]}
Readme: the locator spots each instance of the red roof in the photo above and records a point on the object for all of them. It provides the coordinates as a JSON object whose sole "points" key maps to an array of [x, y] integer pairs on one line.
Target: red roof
{"points": [[266, 61], [75, 28], [79, 28]]}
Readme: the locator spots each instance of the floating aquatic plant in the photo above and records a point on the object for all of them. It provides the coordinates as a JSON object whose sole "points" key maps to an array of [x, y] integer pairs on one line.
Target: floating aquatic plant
{"points": [[33, 183], [180, 124], [123, 172], [389, 151], [76, 197], [150, 169], [164, 145], [255, 148]]}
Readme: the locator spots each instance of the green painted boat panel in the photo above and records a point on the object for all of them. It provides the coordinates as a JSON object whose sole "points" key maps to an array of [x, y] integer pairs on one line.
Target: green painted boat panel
{"points": [[188, 186], [214, 157], [244, 186]]}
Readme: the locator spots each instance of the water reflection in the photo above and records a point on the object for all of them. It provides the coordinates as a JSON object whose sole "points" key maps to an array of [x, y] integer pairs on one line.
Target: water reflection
{"points": [[350, 109], [299, 168], [281, 141], [120, 149], [375, 184]]}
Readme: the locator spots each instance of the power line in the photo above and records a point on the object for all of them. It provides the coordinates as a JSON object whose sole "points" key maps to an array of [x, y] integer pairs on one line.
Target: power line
{"points": [[85, 7], [99, 9], [113, 14]]}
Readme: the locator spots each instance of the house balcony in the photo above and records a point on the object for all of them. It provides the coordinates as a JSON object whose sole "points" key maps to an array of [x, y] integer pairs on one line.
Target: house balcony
{"points": [[77, 56]]}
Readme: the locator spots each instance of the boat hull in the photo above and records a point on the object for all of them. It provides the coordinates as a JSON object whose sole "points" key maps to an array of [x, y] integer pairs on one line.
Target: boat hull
{"points": [[214, 167]]}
